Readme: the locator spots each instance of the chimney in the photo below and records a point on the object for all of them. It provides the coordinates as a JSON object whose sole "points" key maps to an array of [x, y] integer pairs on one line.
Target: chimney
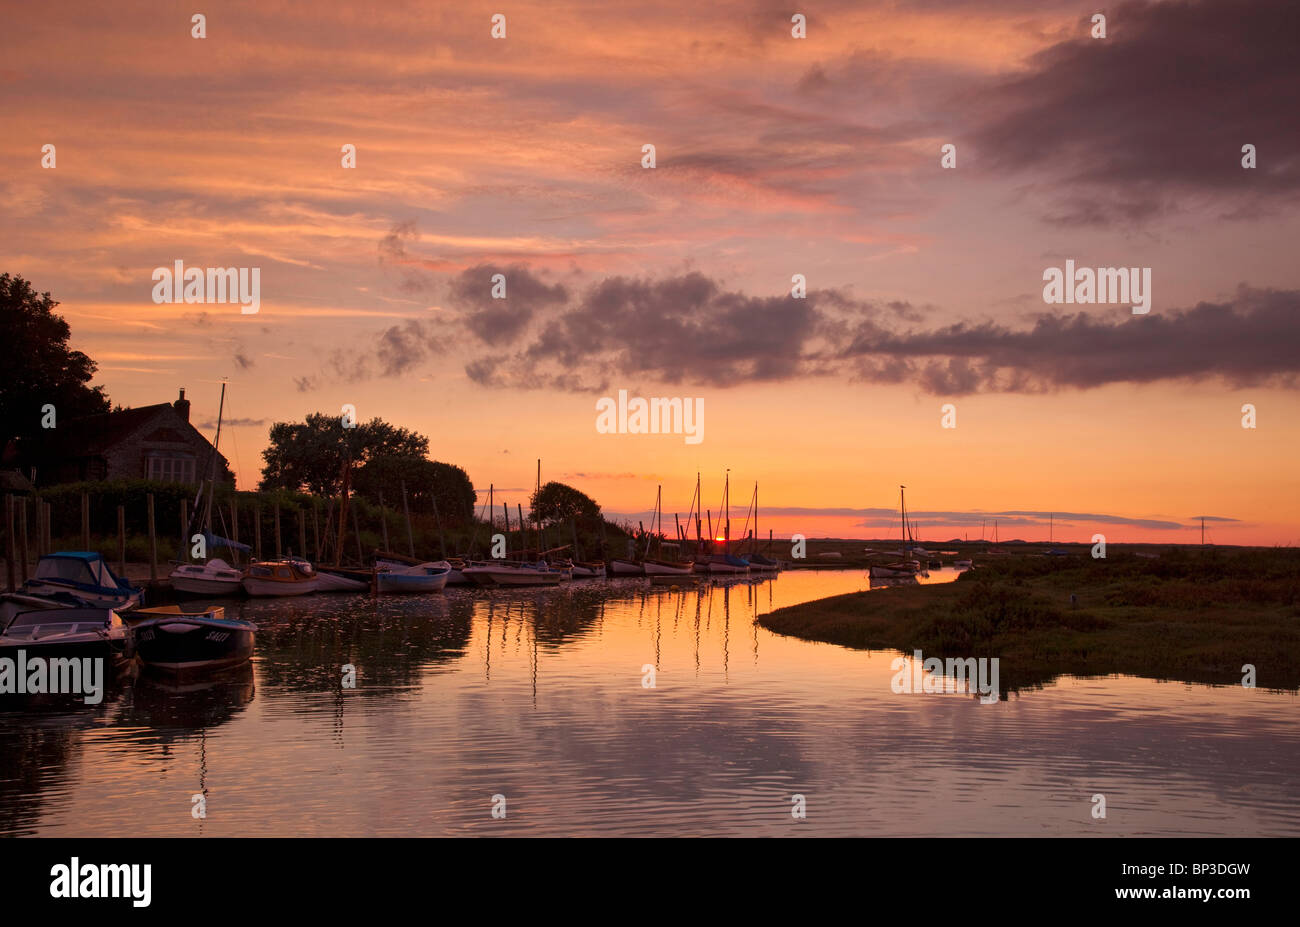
{"points": [[182, 406]]}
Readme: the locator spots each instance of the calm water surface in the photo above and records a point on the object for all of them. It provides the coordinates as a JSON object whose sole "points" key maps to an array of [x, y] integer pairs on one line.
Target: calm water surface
{"points": [[538, 696]]}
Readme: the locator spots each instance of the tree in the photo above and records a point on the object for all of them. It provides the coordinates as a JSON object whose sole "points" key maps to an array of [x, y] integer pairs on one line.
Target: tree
{"points": [[426, 481], [40, 369], [310, 455], [558, 503]]}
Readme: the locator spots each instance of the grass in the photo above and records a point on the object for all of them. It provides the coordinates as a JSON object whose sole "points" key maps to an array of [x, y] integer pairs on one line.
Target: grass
{"points": [[1192, 615]]}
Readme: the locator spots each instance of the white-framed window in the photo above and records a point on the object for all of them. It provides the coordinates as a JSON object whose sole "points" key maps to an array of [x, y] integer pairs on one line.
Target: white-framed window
{"points": [[171, 469]]}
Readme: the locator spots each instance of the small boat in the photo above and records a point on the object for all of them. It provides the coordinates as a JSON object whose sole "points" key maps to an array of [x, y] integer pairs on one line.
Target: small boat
{"points": [[667, 568], [14, 603], [457, 575], [342, 579], [726, 563], [175, 640], [760, 564], [83, 631], [83, 575], [402, 578], [906, 567], [963, 564], [512, 574], [268, 578], [588, 570], [618, 567], [214, 578]]}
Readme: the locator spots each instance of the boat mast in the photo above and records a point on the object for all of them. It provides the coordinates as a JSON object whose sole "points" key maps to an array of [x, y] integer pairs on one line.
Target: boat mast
{"points": [[726, 499], [699, 504]]}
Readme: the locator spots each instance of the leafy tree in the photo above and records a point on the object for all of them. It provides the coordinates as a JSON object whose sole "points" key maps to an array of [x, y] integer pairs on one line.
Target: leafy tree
{"points": [[39, 367], [559, 503], [310, 455], [426, 481]]}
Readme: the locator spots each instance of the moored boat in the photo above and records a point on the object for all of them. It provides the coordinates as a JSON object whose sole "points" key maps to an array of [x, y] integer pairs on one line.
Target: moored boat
{"points": [[907, 567], [269, 578], [512, 574], [402, 578], [342, 579], [173, 639], [588, 570], [620, 567], [73, 633], [214, 578], [667, 568], [83, 575]]}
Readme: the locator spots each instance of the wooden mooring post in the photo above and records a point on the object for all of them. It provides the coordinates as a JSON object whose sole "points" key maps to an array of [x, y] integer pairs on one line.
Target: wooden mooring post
{"points": [[85, 521], [10, 553], [153, 541], [22, 537], [121, 541]]}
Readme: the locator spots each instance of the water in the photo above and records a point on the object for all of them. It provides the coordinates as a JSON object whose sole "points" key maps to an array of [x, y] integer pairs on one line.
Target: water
{"points": [[537, 696]]}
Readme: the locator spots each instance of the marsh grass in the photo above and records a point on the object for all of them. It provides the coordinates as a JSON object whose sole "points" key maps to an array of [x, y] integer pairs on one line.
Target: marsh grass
{"points": [[1191, 615]]}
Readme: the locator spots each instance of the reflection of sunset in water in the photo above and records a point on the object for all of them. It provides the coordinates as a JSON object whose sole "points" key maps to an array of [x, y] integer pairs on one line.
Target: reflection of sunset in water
{"points": [[538, 696]]}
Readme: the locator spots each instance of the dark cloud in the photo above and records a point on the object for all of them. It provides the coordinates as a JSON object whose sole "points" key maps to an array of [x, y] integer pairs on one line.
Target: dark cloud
{"points": [[241, 359], [691, 329], [497, 321], [1247, 340], [1158, 109], [411, 277]]}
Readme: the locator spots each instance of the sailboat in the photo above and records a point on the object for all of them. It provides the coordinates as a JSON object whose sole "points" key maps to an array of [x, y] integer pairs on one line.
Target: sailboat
{"points": [[726, 562], [659, 566], [216, 577], [907, 567], [757, 562]]}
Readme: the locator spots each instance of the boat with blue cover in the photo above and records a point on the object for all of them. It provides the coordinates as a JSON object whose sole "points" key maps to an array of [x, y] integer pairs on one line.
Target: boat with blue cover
{"points": [[84, 576]]}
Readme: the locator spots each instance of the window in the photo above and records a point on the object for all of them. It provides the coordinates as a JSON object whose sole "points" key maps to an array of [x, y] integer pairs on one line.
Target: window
{"points": [[171, 469]]}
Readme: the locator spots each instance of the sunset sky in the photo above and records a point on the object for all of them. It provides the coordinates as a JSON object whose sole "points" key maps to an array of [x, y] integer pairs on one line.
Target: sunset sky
{"points": [[775, 156]]}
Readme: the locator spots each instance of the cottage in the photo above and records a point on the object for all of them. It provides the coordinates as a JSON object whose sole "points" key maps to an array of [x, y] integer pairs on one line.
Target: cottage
{"points": [[151, 442]]}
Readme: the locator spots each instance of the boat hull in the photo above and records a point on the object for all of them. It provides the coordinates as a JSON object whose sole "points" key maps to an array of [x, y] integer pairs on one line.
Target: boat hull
{"points": [[270, 588], [625, 568], [507, 576], [188, 643], [662, 568], [409, 583], [342, 581]]}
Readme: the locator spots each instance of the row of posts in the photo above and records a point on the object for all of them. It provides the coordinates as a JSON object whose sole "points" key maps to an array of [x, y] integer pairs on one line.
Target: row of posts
{"points": [[18, 552]]}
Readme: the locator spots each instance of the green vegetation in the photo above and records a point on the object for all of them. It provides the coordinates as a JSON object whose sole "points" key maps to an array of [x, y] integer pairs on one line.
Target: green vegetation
{"points": [[1192, 614]]}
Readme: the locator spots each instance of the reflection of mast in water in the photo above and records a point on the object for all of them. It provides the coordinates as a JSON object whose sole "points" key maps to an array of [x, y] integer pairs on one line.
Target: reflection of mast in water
{"points": [[726, 629], [203, 772], [521, 621], [659, 610], [699, 601], [487, 643]]}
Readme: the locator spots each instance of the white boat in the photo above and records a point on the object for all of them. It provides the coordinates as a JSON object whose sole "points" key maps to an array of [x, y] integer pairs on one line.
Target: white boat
{"points": [[625, 568], [512, 574], [666, 568], [214, 578], [392, 577], [963, 564], [588, 570], [69, 633], [280, 578]]}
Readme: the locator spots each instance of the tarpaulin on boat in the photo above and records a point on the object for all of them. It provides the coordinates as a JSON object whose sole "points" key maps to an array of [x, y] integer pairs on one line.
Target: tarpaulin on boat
{"points": [[215, 541]]}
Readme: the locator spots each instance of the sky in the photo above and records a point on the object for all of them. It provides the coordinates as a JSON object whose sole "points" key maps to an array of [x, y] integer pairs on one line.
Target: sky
{"points": [[775, 156]]}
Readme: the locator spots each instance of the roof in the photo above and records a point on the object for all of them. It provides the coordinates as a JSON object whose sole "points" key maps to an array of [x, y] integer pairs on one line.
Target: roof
{"points": [[86, 555], [94, 434]]}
